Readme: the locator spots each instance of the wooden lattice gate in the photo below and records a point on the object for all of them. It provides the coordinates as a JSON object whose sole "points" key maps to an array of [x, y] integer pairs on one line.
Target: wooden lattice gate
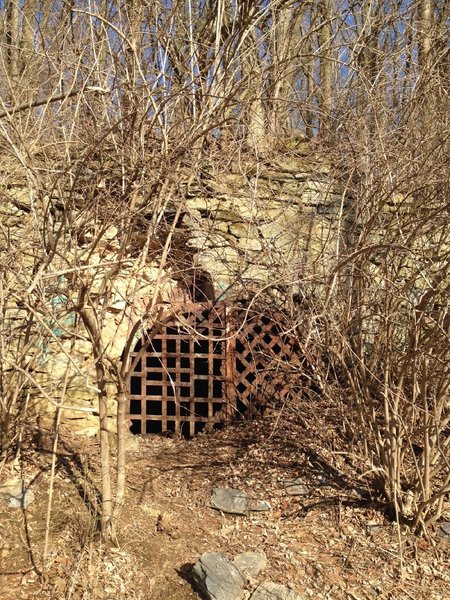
{"points": [[200, 368]]}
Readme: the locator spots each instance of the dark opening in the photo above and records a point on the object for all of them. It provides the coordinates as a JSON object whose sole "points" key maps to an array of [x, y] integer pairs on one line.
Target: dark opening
{"points": [[136, 386], [135, 407], [201, 388], [155, 345], [153, 407], [135, 427], [153, 427], [153, 361]]}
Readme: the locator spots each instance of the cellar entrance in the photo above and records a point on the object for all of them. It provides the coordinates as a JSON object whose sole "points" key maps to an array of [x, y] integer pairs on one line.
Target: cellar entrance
{"points": [[201, 368]]}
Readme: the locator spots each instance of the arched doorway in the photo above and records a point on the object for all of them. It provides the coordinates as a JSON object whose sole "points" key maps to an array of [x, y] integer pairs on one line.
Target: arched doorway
{"points": [[203, 366]]}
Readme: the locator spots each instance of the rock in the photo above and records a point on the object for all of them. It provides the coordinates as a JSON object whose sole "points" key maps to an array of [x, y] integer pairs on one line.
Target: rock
{"points": [[259, 506], [16, 494], [117, 307], [274, 591], [239, 230], [111, 233], [445, 530], [235, 502], [132, 442], [359, 493], [85, 428], [217, 578], [252, 244], [373, 526], [250, 563], [296, 487]]}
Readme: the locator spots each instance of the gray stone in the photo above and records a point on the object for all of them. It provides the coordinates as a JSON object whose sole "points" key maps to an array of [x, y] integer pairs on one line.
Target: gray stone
{"points": [[296, 487], [250, 563], [359, 493], [445, 530], [274, 591], [230, 501], [374, 527], [16, 494], [216, 578], [259, 506]]}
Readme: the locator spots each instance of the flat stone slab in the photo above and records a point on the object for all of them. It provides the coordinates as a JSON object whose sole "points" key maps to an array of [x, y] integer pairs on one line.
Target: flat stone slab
{"points": [[235, 502], [217, 578], [296, 487], [250, 563], [16, 493], [274, 591]]}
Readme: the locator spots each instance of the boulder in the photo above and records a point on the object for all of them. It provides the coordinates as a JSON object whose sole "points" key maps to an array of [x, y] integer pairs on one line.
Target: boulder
{"points": [[216, 578]]}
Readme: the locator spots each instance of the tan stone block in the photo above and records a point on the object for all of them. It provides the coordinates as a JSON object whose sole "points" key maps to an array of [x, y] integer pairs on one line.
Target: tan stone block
{"points": [[239, 230], [83, 396], [251, 244], [84, 428], [203, 204], [221, 226]]}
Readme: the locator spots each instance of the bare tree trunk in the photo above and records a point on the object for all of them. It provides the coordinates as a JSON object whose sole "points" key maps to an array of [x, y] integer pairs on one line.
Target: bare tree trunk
{"points": [[281, 63], [325, 37], [27, 60], [13, 40], [310, 91], [425, 24], [252, 97], [122, 402], [106, 521], [107, 501]]}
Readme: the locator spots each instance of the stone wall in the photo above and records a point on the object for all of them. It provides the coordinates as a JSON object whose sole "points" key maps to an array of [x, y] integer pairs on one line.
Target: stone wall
{"points": [[267, 224], [274, 223]]}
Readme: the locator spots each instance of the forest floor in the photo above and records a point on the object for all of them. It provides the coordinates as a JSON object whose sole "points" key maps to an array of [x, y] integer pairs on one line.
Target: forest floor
{"points": [[333, 544]]}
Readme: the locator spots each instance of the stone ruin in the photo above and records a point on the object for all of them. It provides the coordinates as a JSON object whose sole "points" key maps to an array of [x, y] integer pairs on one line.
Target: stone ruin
{"points": [[269, 226]]}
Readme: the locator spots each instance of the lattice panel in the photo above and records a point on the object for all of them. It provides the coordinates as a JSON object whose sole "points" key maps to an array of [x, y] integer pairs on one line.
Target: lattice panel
{"points": [[263, 356], [179, 381]]}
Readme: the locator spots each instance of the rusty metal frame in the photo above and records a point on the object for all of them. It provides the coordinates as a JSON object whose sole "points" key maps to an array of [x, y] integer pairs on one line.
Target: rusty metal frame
{"points": [[203, 365]]}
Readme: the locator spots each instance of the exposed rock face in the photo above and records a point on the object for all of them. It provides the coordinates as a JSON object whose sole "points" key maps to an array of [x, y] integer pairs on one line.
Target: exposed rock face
{"points": [[217, 578], [285, 209]]}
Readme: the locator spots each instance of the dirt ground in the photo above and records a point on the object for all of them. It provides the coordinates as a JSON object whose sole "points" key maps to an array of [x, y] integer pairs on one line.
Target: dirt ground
{"points": [[334, 544]]}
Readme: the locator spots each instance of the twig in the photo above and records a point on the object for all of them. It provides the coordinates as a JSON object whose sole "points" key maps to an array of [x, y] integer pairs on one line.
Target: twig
{"points": [[29, 105]]}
